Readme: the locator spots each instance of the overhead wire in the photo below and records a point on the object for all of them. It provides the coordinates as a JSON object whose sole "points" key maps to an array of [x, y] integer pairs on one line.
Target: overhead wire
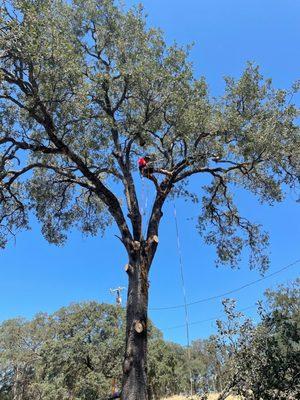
{"points": [[185, 305], [209, 319], [218, 296], [206, 320]]}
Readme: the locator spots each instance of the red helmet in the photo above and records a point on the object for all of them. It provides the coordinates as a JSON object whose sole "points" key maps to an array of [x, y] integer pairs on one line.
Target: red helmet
{"points": [[142, 162]]}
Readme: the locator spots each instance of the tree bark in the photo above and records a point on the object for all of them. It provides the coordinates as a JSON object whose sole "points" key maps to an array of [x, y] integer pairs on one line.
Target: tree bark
{"points": [[134, 386]]}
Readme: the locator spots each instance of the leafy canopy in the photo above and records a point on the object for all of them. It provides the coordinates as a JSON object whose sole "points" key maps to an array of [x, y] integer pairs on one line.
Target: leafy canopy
{"points": [[86, 88], [78, 351], [261, 361]]}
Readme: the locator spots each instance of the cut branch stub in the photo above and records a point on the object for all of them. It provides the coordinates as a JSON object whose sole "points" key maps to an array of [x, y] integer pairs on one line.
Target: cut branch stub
{"points": [[139, 326], [128, 268], [154, 239]]}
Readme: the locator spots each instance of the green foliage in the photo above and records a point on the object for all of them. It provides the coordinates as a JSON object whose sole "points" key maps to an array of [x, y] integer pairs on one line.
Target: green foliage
{"points": [[168, 369], [262, 362], [207, 369], [76, 353], [86, 88]]}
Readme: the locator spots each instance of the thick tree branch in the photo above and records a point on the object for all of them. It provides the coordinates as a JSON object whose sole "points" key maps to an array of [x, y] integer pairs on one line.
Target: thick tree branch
{"points": [[101, 190], [123, 162], [156, 215], [14, 175], [27, 146], [62, 148], [242, 167]]}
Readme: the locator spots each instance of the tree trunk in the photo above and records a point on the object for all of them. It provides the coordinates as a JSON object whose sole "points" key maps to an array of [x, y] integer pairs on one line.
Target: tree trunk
{"points": [[134, 385]]}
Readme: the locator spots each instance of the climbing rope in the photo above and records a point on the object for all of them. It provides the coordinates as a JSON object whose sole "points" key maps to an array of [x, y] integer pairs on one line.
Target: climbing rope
{"points": [[143, 196], [144, 207], [184, 297]]}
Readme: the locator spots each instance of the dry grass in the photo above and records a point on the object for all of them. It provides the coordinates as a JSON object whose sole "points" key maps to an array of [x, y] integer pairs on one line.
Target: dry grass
{"points": [[215, 396], [210, 397]]}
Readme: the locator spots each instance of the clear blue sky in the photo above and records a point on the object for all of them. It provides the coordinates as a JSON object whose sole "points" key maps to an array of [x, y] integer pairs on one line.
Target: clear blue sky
{"points": [[38, 277]]}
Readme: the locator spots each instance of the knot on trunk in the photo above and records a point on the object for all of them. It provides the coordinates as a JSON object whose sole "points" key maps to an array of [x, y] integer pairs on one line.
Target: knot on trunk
{"points": [[139, 326], [153, 239], [128, 268], [127, 364]]}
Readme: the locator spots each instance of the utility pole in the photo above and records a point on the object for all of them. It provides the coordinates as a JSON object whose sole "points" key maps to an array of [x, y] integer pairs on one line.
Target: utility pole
{"points": [[117, 293]]}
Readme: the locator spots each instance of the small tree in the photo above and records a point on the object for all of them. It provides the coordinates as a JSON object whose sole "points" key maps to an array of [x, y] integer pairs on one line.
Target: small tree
{"points": [[86, 88], [207, 365], [262, 361]]}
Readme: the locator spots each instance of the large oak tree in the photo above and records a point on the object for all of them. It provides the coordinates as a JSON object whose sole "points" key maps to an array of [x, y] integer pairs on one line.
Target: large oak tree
{"points": [[86, 88]]}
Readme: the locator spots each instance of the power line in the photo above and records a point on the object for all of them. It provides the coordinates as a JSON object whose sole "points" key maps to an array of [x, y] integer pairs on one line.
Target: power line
{"points": [[206, 320], [218, 296], [117, 293]]}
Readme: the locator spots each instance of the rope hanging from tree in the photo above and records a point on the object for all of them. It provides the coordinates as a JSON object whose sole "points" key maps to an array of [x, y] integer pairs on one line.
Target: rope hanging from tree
{"points": [[184, 296]]}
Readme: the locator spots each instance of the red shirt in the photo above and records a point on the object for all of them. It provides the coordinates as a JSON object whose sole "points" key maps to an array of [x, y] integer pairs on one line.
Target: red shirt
{"points": [[142, 162]]}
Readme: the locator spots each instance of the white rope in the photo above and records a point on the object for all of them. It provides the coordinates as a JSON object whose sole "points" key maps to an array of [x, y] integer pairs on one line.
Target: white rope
{"points": [[144, 206], [147, 214], [143, 195], [184, 297]]}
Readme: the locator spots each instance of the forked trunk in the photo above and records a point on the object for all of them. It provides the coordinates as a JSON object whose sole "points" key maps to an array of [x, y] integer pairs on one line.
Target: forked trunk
{"points": [[134, 385]]}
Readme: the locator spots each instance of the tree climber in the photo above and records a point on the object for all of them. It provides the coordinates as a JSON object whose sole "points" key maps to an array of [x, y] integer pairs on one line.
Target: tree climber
{"points": [[145, 169]]}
